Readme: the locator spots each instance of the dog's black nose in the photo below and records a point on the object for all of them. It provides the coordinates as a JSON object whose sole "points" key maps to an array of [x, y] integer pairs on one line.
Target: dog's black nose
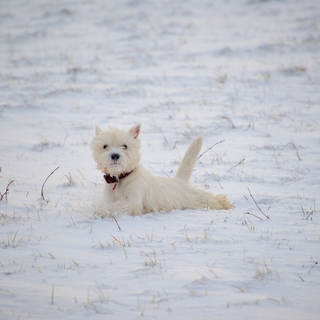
{"points": [[115, 156]]}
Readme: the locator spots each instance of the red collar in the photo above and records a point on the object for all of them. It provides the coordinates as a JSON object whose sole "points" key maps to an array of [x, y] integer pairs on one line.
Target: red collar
{"points": [[111, 179]]}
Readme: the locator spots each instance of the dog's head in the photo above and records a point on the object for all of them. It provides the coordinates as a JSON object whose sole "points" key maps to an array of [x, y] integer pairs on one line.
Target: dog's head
{"points": [[116, 151]]}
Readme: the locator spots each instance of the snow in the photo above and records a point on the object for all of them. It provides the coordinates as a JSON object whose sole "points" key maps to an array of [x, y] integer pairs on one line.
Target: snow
{"points": [[245, 74]]}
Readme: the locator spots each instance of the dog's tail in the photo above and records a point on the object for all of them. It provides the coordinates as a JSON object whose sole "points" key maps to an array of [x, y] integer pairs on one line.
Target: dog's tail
{"points": [[189, 160]]}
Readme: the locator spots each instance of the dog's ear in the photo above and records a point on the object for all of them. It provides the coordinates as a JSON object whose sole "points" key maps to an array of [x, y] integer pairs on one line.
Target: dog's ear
{"points": [[134, 131], [98, 130]]}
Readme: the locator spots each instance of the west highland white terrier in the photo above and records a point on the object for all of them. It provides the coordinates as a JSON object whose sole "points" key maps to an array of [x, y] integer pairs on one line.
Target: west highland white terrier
{"points": [[131, 189]]}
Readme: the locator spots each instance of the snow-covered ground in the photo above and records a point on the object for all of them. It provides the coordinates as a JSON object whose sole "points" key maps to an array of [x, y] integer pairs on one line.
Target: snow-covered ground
{"points": [[245, 74]]}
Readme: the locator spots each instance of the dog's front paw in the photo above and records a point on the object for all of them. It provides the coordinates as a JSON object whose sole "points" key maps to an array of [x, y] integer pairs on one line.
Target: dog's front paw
{"points": [[131, 210]]}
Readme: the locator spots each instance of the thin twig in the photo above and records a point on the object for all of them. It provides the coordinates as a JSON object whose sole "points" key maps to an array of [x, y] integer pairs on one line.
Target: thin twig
{"points": [[237, 164], [116, 222], [210, 148], [303, 210], [252, 215], [42, 191], [310, 213], [6, 192], [314, 264], [52, 295], [257, 204], [293, 144]]}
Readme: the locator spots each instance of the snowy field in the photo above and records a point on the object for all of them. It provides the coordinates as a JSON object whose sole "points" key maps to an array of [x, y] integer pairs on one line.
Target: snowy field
{"points": [[243, 73]]}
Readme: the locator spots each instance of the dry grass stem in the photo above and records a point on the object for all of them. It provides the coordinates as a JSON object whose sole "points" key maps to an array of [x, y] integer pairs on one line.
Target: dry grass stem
{"points": [[308, 213], [42, 188], [116, 222], [314, 264], [229, 120], [5, 194]]}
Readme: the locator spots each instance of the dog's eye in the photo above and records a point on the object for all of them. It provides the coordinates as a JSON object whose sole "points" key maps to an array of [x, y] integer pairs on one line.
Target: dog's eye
{"points": [[124, 147], [105, 146]]}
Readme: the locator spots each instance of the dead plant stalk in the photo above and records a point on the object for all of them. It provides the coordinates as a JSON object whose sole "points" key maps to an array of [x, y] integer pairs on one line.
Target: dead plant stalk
{"points": [[5, 194], [257, 204], [210, 148], [42, 188]]}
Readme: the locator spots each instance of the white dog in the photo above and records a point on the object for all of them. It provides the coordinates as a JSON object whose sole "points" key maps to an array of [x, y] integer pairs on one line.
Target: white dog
{"points": [[131, 189]]}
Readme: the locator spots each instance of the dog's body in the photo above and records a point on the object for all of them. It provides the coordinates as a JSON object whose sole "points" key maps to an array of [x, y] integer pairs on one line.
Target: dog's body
{"points": [[131, 189]]}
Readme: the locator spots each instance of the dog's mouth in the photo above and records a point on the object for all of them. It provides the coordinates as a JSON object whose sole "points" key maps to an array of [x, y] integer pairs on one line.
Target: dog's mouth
{"points": [[114, 168]]}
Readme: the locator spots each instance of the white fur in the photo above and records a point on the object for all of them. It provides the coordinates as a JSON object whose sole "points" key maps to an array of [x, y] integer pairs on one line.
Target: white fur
{"points": [[142, 192]]}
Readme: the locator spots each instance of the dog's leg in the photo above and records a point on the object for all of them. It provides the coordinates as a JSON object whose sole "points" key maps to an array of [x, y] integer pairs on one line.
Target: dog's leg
{"points": [[123, 206], [133, 208], [131, 205]]}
